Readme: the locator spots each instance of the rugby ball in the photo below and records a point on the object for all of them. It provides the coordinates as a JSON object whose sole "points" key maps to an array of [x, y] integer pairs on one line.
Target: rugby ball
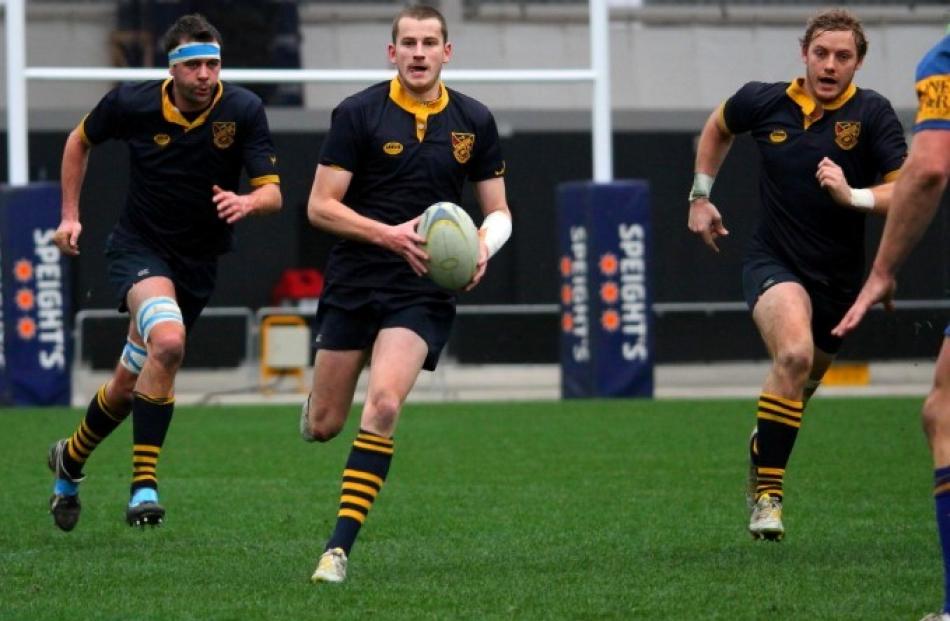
{"points": [[451, 243]]}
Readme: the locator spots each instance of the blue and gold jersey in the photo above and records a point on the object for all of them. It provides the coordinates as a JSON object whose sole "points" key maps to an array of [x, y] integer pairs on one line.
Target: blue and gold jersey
{"points": [[404, 156], [933, 88], [175, 161], [801, 225]]}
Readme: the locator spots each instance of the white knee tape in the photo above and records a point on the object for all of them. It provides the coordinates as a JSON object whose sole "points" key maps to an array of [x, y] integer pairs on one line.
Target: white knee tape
{"points": [[154, 311], [133, 357]]}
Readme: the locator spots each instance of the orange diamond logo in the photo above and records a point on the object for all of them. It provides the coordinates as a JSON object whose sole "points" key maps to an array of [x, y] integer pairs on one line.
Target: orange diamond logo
{"points": [[567, 294], [565, 267], [609, 292], [567, 322], [26, 328], [23, 270], [25, 299], [608, 264]]}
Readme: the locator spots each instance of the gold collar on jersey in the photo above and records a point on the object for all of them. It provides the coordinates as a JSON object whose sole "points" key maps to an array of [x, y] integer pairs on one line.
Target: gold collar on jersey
{"points": [[421, 110], [174, 115], [796, 91]]}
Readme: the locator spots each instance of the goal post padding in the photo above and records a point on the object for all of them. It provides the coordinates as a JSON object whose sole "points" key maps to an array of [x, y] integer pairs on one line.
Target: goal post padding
{"points": [[604, 238], [35, 327]]}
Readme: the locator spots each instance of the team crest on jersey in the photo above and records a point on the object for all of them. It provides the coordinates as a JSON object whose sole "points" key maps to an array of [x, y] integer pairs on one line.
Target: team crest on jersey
{"points": [[224, 132], [778, 136], [162, 140], [462, 145], [846, 134]]}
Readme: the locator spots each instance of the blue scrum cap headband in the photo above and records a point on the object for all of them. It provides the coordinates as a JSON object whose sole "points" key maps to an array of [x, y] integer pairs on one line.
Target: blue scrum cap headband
{"points": [[194, 50]]}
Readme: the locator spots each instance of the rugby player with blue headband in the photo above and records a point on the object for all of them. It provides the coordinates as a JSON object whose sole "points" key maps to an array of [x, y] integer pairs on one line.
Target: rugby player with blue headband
{"points": [[194, 50], [189, 136]]}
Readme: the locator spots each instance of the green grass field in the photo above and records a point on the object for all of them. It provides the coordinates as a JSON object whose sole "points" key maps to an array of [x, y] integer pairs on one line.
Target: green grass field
{"points": [[571, 510]]}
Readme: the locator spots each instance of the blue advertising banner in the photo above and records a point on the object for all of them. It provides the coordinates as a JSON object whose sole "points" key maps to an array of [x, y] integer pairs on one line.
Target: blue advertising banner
{"points": [[606, 302], [37, 350], [5, 397]]}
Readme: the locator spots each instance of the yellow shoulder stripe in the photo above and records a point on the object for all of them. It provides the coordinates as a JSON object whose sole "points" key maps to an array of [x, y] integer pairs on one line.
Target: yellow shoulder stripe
{"points": [[721, 119], [264, 180]]}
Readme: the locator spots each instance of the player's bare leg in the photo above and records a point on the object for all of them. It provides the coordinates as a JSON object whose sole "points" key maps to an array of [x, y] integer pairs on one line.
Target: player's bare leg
{"points": [[335, 374], [783, 317], [398, 356], [158, 324], [67, 456]]}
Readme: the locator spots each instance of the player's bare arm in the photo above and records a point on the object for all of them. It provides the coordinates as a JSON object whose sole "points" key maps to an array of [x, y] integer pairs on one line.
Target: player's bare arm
{"points": [[916, 199], [75, 159], [875, 199], [491, 197], [714, 143], [326, 211], [233, 207]]}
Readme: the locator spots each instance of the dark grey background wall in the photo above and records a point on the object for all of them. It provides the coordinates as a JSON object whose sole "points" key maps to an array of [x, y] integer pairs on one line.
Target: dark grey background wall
{"points": [[525, 270]]}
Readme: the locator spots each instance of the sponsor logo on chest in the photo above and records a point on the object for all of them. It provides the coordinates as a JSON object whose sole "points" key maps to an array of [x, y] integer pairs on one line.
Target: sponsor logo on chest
{"points": [[778, 136]]}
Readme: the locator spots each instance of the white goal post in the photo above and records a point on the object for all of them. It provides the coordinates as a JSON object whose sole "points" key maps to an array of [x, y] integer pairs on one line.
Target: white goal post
{"points": [[18, 73]]}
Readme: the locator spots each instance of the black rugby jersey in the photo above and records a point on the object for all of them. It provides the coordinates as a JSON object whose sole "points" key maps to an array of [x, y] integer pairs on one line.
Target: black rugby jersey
{"points": [[404, 156], [800, 222], [174, 162]]}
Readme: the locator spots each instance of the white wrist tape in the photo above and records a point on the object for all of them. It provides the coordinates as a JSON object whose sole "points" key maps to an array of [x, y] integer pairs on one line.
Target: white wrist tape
{"points": [[702, 186], [862, 198], [496, 229]]}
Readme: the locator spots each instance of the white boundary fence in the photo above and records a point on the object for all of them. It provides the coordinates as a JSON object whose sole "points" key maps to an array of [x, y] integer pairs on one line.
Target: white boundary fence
{"points": [[253, 319], [453, 382]]}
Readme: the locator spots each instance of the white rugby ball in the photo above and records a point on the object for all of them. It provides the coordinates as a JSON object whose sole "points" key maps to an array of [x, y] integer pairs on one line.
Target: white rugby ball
{"points": [[451, 243]]}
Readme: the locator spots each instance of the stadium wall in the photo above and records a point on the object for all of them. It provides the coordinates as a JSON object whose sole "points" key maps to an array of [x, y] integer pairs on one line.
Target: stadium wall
{"points": [[524, 272], [669, 70], [666, 63]]}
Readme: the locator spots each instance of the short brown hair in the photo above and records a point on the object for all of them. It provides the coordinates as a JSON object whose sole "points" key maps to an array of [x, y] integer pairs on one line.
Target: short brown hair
{"points": [[421, 12], [835, 20], [193, 27]]}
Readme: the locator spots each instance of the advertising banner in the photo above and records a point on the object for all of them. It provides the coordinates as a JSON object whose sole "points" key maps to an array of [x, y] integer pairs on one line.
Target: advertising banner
{"points": [[36, 313], [606, 301]]}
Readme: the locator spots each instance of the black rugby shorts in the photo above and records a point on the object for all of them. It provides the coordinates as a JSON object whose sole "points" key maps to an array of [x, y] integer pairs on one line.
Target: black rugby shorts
{"points": [[355, 327], [130, 261], [761, 272]]}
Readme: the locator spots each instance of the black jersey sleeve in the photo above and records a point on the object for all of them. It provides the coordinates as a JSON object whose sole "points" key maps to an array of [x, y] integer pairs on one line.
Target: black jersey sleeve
{"points": [[341, 147], [887, 140], [739, 111], [260, 157], [107, 119], [487, 160]]}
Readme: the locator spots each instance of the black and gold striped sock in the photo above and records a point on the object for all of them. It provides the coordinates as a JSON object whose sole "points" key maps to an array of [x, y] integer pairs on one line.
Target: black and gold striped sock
{"points": [[100, 420], [363, 477], [151, 417], [754, 447], [778, 421]]}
